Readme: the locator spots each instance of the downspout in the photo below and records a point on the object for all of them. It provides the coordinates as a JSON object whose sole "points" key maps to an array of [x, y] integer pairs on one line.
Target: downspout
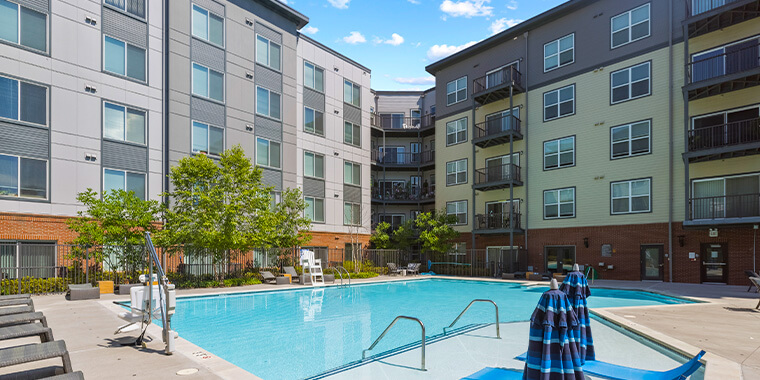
{"points": [[165, 96], [472, 186], [687, 190], [525, 144], [670, 142]]}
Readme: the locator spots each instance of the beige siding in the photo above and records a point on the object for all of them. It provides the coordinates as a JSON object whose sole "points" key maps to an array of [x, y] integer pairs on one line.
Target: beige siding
{"points": [[451, 153]]}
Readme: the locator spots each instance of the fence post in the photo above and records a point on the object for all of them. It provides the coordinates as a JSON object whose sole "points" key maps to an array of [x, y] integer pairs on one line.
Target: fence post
{"points": [[18, 266], [87, 265]]}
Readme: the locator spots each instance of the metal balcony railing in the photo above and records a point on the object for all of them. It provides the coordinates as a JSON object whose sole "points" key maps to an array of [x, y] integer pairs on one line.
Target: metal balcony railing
{"points": [[509, 74], [727, 206], [697, 7], [497, 221], [497, 126], [403, 193], [739, 58], [400, 123], [403, 158], [735, 133], [497, 173]]}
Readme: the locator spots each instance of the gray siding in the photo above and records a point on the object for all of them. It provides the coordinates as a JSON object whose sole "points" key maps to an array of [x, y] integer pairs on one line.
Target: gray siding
{"points": [[352, 194], [389, 103], [117, 155], [38, 5], [268, 128], [268, 33], [24, 141], [352, 114], [314, 99], [313, 187], [125, 28], [207, 55], [211, 5], [271, 177], [268, 78], [207, 111]]}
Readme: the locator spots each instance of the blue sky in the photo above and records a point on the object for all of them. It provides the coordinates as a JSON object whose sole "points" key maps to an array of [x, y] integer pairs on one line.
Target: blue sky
{"points": [[396, 39]]}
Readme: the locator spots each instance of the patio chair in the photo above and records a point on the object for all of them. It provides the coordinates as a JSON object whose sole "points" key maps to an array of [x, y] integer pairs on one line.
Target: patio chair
{"points": [[15, 296], [751, 274], [18, 319], [16, 310], [294, 276], [25, 331], [79, 292], [17, 302], [268, 277], [393, 269], [756, 282], [29, 353], [413, 268]]}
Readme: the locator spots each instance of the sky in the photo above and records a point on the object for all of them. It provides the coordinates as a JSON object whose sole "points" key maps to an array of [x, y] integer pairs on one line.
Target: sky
{"points": [[396, 39]]}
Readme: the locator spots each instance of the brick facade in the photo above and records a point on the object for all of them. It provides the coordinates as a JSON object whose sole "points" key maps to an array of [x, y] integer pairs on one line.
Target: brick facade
{"points": [[335, 242], [26, 227]]}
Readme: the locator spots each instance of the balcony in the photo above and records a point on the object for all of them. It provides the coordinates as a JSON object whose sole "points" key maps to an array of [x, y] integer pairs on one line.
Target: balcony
{"points": [[736, 139], [707, 16], [403, 194], [399, 124], [496, 85], [404, 160], [724, 210], [728, 68], [497, 131], [497, 223], [497, 177]]}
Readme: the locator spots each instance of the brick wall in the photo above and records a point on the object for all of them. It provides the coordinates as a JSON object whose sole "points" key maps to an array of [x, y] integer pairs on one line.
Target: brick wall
{"points": [[35, 227]]}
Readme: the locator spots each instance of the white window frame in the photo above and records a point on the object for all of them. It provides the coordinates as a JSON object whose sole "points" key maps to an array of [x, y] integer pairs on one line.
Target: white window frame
{"points": [[353, 128], [208, 138], [315, 199], [145, 176], [630, 26], [269, 103], [18, 29], [456, 90], [457, 131], [126, 62], [314, 169], [125, 109], [515, 63], [269, 153], [354, 87], [208, 83], [559, 152], [558, 204], [353, 181], [305, 62], [18, 103], [354, 207], [559, 52], [630, 196], [630, 83], [18, 178], [145, 5], [559, 103], [456, 172], [458, 211], [269, 53], [631, 139], [208, 26]]}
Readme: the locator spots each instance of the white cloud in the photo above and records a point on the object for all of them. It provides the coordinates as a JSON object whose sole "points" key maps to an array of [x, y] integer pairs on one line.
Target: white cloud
{"points": [[466, 8], [340, 4], [512, 5], [395, 40], [437, 52], [502, 24], [354, 38], [310, 30], [428, 80], [414, 1]]}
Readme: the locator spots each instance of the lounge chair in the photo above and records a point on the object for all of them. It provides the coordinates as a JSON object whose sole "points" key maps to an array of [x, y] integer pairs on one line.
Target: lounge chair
{"points": [[393, 269], [25, 331], [17, 302], [15, 296], [268, 276], [413, 268], [78, 292], [617, 372], [78, 375], [751, 274], [29, 353], [18, 319], [293, 274], [756, 282], [491, 373], [16, 310]]}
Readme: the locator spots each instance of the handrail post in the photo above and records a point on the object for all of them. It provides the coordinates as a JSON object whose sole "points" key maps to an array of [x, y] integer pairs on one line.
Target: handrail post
{"points": [[422, 326], [498, 332]]}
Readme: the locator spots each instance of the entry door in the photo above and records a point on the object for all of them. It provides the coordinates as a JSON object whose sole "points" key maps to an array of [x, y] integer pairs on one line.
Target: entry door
{"points": [[652, 262], [714, 263], [559, 259], [415, 147]]}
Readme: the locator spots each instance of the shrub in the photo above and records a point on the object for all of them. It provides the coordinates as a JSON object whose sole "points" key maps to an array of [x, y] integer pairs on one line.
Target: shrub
{"points": [[34, 285]]}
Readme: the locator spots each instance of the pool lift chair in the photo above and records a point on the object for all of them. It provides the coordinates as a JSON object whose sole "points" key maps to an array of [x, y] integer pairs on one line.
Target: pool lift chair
{"points": [[156, 299], [312, 267]]}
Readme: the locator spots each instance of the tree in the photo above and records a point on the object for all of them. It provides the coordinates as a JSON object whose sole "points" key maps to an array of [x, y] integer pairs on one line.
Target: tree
{"points": [[404, 235], [380, 238], [356, 228], [218, 208], [290, 228], [118, 222], [436, 233]]}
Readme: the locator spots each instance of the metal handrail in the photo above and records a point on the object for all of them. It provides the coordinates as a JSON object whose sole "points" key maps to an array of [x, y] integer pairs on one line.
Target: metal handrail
{"points": [[498, 334], [422, 359], [338, 269], [590, 269]]}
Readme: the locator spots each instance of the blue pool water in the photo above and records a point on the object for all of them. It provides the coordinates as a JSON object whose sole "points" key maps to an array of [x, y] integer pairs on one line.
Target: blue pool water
{"points": [[305, 332]]}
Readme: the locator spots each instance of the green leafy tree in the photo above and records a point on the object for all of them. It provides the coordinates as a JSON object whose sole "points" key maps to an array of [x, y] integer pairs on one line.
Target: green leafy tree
{"points": [[380, 238], [290, 228], [436, 231], [404, 235], [111, 229], [218, 208]]}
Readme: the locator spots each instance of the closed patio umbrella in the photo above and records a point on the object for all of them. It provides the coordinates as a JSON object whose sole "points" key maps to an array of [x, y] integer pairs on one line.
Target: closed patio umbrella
{"points": [[553, 352], [576, 287]]}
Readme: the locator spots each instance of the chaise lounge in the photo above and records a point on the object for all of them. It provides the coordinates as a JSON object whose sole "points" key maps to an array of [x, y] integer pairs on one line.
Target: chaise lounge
{"points": [[29, 353], [79, 292]]}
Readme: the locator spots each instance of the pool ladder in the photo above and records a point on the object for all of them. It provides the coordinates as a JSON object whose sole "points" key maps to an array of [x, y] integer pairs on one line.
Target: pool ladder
{"points": [[341, 269], [498, 334], [422, 326]]}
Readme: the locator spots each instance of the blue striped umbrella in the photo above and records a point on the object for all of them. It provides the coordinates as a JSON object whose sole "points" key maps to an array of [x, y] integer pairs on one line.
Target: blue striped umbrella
{"points": [[553, 353], [577, 290]]}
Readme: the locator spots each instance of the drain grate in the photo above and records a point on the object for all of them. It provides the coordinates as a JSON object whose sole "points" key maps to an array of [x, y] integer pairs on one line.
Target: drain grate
{"points": [[187, 371]]}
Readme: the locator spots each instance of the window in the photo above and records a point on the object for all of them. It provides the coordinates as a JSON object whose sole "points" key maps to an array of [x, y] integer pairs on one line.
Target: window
{"points": [[267, 153], [23, 177], [207, 139], [208, 26], [352, 173], [315, 209], [123, 123], [629, 197], [630, 26], [134, 7], [559, 52], [352, 214], [559, 103], [456, 172], [23, 26], [456, 131], [630, 83], [459, 210], [124, 180], [352, 93], [313, 77], [123, 59], [313, 165], [275, 197], [313, 121], [23, 101], [208, 83], [352, 134], [559, 203], [267, 103], [456, 91], [267, 53], [458, 249], [630, 140], [559, 153]]}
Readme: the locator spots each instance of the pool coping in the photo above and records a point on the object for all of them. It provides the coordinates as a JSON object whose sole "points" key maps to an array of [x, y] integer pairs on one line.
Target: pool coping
{"points": [[716, 367]]}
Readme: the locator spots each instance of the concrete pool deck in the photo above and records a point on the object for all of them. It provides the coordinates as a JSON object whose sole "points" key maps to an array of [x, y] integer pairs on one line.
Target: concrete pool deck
{"points": [[726, 325]]}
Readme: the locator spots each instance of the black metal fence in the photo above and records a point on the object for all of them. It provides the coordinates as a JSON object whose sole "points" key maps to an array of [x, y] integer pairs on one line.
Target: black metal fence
{"points": [[733, 133]]}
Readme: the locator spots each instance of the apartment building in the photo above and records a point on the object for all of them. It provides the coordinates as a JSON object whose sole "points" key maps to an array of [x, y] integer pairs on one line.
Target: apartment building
{"points": [[403, 155], [107, 94], [617, 135]]}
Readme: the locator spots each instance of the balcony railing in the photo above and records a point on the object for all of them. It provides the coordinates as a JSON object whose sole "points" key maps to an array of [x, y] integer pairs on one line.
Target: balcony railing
{"points": [[722, 207], [509, 74], [401, 123], [403, 193], [497, 173], [403, 158], [496, 126], [743, 57], [497, 221], [735, 133], [697, 7]]}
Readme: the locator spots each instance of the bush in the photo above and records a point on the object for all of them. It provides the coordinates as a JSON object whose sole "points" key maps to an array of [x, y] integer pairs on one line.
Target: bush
{"points": [[34, 285]]}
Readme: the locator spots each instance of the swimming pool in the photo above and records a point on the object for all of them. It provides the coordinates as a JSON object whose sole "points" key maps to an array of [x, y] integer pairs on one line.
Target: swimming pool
{"points": [[304, 332]]}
